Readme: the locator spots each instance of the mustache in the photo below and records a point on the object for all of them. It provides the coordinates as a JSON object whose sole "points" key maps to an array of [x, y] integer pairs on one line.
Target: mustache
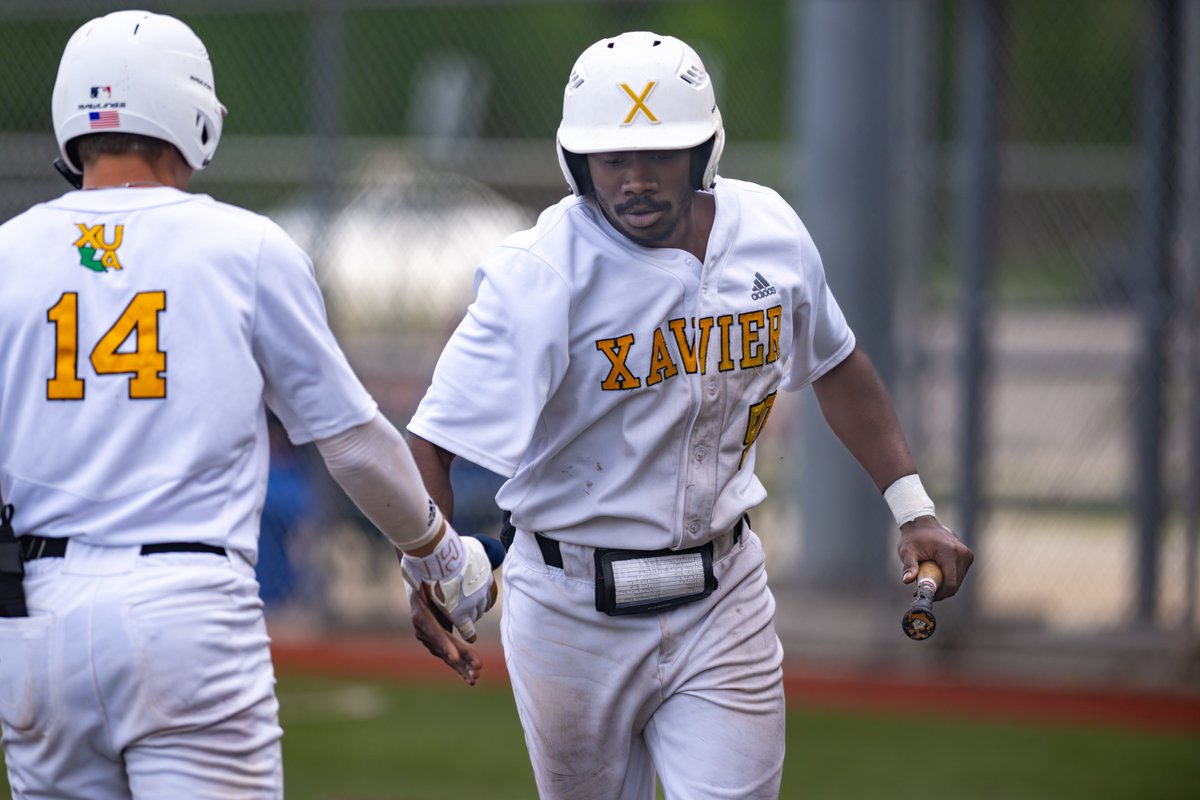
{"points": [[641, 205]]}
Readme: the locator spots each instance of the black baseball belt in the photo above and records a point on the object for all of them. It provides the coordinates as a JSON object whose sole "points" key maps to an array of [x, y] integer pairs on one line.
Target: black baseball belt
{"points": [[35, 547]]}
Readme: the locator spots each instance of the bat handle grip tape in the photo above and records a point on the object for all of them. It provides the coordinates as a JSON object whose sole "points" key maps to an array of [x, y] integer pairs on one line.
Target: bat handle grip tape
{"points": [[929, 575]]}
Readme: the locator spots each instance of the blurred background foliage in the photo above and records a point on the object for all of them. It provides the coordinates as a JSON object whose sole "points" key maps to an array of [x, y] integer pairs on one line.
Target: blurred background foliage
{"points": [[262, 56]]}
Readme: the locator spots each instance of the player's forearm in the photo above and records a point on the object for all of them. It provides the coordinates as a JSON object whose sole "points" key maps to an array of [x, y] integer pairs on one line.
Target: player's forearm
{"points": [[434, 462], [859, 411], [373, 466]]}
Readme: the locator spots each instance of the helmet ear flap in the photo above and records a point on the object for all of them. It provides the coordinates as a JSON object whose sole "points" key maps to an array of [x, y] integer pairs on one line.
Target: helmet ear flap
{"points": [[701, 154], [577, 167], [71, 150]]}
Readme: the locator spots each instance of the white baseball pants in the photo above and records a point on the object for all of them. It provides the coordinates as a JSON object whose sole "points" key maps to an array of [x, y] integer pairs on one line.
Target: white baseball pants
{"points": [[139, 677], [694, 694]]}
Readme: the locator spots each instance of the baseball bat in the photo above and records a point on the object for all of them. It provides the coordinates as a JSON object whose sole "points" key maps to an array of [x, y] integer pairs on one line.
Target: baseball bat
{"points": [[918, 622]]}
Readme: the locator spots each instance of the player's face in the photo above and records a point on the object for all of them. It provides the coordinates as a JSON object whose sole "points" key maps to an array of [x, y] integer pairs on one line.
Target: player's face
{"points": [[645, 194]]}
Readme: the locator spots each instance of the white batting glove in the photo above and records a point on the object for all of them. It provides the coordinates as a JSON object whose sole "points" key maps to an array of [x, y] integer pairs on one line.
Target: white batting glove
{"points": [[457, 578]]}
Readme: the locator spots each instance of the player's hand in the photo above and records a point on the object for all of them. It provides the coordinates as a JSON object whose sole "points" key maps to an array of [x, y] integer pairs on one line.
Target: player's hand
{"points": [[926, 539], [456, 579], [433, 631]]}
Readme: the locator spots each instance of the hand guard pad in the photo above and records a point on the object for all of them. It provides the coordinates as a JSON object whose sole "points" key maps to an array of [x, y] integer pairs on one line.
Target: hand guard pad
{"points": [[457, 578]]}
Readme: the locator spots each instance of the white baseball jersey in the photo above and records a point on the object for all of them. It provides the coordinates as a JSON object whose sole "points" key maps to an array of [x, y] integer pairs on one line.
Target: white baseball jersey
{"points": [[143, 330], [610, 381]]}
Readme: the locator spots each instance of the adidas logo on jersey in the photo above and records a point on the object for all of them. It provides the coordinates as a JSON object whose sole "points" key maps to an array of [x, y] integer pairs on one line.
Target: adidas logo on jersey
{"points": [[762, 287]]}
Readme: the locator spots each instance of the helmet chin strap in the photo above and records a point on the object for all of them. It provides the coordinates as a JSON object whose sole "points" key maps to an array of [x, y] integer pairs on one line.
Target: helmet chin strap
{"points": [[71, 178]]}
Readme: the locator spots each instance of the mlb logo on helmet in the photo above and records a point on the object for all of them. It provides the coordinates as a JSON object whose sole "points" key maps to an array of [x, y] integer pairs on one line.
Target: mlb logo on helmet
{"points": [[101, 91]]}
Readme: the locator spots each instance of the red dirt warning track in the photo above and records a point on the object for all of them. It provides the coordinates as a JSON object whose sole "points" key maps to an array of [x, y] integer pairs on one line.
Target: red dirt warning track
{"points": [[393, 658]]}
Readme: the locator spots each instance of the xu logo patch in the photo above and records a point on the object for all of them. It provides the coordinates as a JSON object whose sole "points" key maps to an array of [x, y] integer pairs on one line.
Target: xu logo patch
{"points": [[95, 252]]}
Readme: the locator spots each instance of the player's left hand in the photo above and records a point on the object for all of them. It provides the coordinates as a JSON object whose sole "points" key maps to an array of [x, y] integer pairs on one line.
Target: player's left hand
{"points": [[926, 539]]}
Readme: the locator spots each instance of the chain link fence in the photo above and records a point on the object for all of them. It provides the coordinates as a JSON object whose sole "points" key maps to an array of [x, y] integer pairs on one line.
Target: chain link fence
{"points": [[399, 141]]}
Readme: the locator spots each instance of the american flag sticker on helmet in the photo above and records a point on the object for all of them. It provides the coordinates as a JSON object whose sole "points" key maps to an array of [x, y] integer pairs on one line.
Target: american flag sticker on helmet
{"points": [[103, 119]]}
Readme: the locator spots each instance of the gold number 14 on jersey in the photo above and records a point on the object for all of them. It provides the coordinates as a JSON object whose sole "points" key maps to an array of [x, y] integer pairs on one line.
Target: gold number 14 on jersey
{"points": [[146, 364]]}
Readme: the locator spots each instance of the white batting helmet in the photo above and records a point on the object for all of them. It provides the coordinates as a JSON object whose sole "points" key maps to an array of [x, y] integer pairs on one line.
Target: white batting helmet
{"points": [[638, 91], [138, 72]]}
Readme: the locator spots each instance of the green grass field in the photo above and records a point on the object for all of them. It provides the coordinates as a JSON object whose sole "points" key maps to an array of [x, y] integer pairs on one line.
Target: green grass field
{"points": [[365, 740]]}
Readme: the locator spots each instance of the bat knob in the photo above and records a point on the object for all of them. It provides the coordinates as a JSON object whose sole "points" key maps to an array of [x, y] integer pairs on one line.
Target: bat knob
{"points": [[918, 623]]}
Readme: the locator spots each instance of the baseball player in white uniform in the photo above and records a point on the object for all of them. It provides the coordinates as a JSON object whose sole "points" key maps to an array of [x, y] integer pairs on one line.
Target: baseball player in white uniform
{"points": [[618, 365], [146, 330]]}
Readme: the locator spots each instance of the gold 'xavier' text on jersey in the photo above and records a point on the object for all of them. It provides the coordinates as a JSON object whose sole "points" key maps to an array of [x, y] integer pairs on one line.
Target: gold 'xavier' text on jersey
{"points": [[684, 344]]}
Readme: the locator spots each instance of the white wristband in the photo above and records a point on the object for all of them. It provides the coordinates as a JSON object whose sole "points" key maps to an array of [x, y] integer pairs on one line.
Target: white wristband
{"points": [[445, 562], [908, 500]]}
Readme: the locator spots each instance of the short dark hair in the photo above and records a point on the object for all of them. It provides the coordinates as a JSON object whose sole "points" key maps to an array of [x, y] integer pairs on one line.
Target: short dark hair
{"points": [[86, 149]]}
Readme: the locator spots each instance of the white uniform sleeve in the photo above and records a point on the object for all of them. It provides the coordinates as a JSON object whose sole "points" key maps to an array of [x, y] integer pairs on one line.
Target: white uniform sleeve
{"points": [[500, 366], [375, 469], [309, 383], [821, 337]]}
